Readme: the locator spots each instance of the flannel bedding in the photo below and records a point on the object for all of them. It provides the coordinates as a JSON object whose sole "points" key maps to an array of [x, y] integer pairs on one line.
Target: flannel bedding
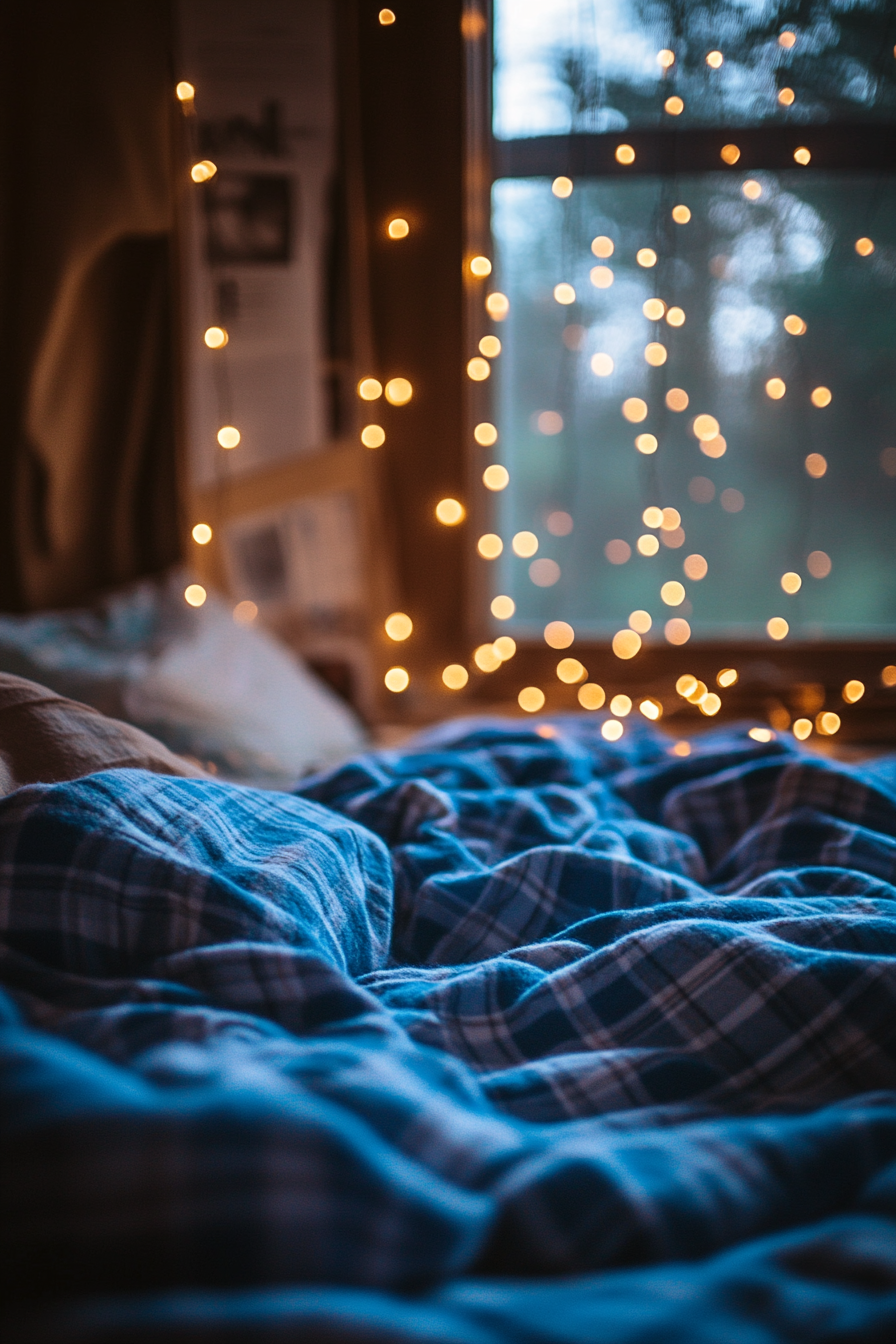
{"points": [[514, 1035]]}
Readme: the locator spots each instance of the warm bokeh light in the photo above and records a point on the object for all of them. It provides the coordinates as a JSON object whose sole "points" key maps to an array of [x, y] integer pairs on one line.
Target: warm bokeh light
{"points": [[564, 293], [621, 705], [369, 389], [816, 465], [777, 628], [677, 630], [640, 620], [562, 187], [864, 247], [203, 171], [398, 626], [786, 97], [651, 709], [727, 677], [496, 477], [455, 677], [634, 409], [821, 396], [653, 309], [244, 613], [802, 155], [671, 520], [673, 538], [485, 434], [450, 512], [602, 365], [652, 516], [701, 490], [601, 277], [490, 346], [665, 58], [648, 544], [502, 607], [853, 691], [716, 447], [729, 154], [486, 659], [888, 675], [397, 679], [681, 214], [674, 106], [626, 643], [478, 369], [398, 227], [215, 338], [559, 634], [706, 427], [591, 696], [794, 325], [489, 546], [786, 39], [617, 551], [672, 593], [202, 534], [386, 17], [497, 305], [228, 436], [791, 582], [559, 523], [732, 501], [655, 353], [752, 189], [680, 749], [480, 267], [549, 422], [710, 704], [195, 594], [524, 544], [373, 436], [185, 91], [675, 317], [612, 730], [677, 399], [695, 567], [504, 647], [399, 391], [686, 685], [646, 257], [827, 723], [570, 671], [625, 154], [531, 699], [602, 246], [775, 388], [646, 444], [762, 734], [715, 60], [544, 573]]}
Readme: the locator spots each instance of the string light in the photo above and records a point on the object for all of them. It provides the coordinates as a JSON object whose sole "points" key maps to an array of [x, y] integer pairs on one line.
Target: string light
{"points": [[653, 309], [715, 60], [373, 436], [386, 17], [677, 399], [786, 39], [802, 729], [397, 679], [486, 659], [195, 595], [602, 246], [646, 257], [398, 626], [775, 388], [185, 91], [370, 389], [602, 365], [680, 749], [816, 465], [686, 684], [761, 734], [531, 699], [710, 704], [245, 612], [617, 551], [706, 427], [716, 447], [672, 593], [821, 397], [620, 705], [559, 634], [398, 228], [675, 317], [564, 293], [656, 354], [732, 501], [634, 409], [853, 691], [502, 607], [818, 564], [795, 325], [570, 670], [497, 305], [671, 520], [450, 512], [674, 106], [601, 277], [646, 443], [802, 155], [648, 544], [202, 534], [544, 573], [215, 338], [652, 516], [888, 675], [651, 709], [559, 523], [455, 677], [496, 477], [777, 628], [752, 189], [666, 58], [677, 630], [228, 436], [549, 423], [681, 214], [729, 154], [203, 171], [485, 434], [504, 647], [864, 247], [624, 154], [591, 696], [695, 567], [480, 266], [827, 723], [791, 582], [489, 546], [727, 677], [612, 730], [626, 643], [562, 187], [524, 544], [398, 391], [490, 346], [478, 369], [786, 97], [640, 621]]}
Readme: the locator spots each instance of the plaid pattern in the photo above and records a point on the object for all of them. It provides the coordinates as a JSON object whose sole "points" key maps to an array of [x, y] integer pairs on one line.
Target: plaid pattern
{"points": [[216, 1044]]}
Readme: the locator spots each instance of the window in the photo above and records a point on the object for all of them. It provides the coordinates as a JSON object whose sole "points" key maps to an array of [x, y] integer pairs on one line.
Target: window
{"points": [[689, 363]]}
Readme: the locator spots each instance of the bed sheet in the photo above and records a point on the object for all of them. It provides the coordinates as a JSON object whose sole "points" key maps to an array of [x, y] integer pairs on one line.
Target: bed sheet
{"points": [[512, 1035]]}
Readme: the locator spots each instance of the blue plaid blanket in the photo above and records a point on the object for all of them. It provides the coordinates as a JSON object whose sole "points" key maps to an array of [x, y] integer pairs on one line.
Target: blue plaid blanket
{"points": [[514, 1035]]}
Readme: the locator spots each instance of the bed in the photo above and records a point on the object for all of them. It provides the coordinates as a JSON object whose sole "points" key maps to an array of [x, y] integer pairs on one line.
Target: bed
{"points": [[511, 1035]]}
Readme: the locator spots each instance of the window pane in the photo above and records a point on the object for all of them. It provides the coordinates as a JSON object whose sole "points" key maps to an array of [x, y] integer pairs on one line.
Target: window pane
{"points": [[580, 65], [769, 285]]}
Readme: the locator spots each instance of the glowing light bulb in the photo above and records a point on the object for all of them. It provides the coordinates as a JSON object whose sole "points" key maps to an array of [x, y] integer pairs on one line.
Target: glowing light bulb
{"points": [[827, 724], [489, 546], [665, 58], [671, 520], [602, 246], [675, 317], [228, 436], [564, 293], [791, 582], [215, 338], [591, 696], [646, 257], [706, 427], [478, 369], [802, 155], [715, 60], [681, 214], [195, 594], [794, 325], [672, 593], [853, 691], [648, 544], [398, 626], [601, 277], [752, 189], [398, 391], [602, 365], [677, 630], [485, 434], [502, 607], [244, 613], [612, 730], [386, 18], [677, 399], [621, 705], [185, 91], [496, 477], [634, 409], [729, 154], [864, 247], [710, 704], [655, 353], [559, 634], [486, 659], [531, 699], [786, 97], [202, 534], [398, 228], [397, 679], [625, 154], [570, 670], [674, 106], [727, 677], [369, 389], [455, 677], [651, 709], [640, 621], [504, 647], [821, 396], [480, 266], [497, 306], [490, 346], [524, 544], [562, 187], [646, 444], [203, 171], [450, 512], [373, 436], [652, 516], [626, 644], [653, 309], [775, 388], [777, 628]]}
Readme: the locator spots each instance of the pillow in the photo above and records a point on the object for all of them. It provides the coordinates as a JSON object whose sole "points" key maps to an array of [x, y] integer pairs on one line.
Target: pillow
{"points": [[45, 738]]}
